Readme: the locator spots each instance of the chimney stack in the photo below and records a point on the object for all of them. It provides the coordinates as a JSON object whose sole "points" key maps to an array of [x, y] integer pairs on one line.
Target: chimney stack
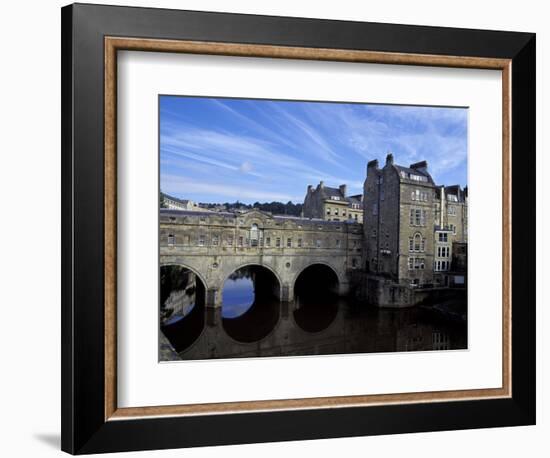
{"points": [[342, 189], [321, 184], [421, 166], [373, 163], [309, 188], [389, 159]]}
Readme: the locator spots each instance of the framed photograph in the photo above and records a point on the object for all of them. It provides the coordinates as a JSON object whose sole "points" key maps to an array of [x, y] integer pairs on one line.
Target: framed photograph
{"points": [[281, 228]]}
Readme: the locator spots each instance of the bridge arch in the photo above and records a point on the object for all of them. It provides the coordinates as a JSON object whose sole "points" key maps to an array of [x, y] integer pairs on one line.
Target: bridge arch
{"points": [[339, 276], [184, 326], [254, 321], [229, 271], [188, 267]]}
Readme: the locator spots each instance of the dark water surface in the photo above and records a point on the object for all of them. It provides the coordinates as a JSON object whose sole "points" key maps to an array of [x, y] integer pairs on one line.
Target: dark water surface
{"points": [[252, 322]]}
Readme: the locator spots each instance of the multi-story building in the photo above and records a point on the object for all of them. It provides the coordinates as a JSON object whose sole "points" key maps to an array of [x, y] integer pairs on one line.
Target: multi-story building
{"points": [[410, 224], [332, 204], [173, 203]]}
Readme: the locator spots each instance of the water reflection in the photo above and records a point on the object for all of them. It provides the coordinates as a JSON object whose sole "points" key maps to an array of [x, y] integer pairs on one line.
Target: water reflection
{"points": [[238, 295], [252, 322], [250, 308], [182, 309], [315, 313]]}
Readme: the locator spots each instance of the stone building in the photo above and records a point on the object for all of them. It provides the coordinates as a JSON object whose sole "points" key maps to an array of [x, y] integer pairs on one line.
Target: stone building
{"points": [[332, 204], [174, 203], [410, 224]]}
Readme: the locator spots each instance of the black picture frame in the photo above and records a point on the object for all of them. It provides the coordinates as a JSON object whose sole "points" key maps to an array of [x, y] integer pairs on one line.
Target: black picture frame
{"points": [[84, 427]]}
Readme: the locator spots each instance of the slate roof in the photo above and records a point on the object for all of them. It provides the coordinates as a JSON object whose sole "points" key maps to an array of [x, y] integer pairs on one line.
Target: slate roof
{"points": [[328, 192], [411, 171]]}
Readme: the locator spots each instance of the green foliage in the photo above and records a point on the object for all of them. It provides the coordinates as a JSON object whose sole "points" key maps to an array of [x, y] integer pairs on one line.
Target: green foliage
{"points": [[276, 208]]}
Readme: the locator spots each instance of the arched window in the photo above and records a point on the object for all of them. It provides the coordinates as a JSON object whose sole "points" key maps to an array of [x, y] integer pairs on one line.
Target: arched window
{"points": [[171, 240], [254, 235], [418, 242]]}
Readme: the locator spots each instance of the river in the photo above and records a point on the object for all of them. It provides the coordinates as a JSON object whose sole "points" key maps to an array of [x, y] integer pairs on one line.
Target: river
{"points": [[252, 322]]}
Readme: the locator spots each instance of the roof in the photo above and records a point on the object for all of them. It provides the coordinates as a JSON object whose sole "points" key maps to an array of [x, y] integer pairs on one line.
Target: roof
{"points": [[175, 199], [175, 213], [356, 199], [410, 171]]}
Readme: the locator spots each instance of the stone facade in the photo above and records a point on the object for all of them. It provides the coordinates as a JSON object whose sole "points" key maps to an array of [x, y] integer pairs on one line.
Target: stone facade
{"points": [[174, 203], [410, 224], [332, 204], [413, 235], [214, 245]]}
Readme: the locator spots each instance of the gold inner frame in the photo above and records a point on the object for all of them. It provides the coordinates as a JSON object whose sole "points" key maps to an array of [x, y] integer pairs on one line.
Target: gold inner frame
{"points": [[114, 44]]}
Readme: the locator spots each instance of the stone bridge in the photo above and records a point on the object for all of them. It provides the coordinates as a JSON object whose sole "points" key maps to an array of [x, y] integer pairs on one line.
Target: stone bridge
{"points": [[213, 245]]}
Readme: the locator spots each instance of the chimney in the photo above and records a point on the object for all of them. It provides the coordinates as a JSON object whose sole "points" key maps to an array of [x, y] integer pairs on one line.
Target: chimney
{"points": [[342, 189], [309, 188], [321, 184], [389, 159], [373, 163], [421, 166]]}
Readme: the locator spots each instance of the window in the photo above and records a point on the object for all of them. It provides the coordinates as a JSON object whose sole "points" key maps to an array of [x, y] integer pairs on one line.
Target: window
{"points": [[381, 194], [417, 217], [230, 240], [411, 263], [419, 263], [452, 198], [380, 179], [268, 241], [318, 243], [241, 240], [336, 211], [374, 232], [171, 240], [411, 244], [328, 211], [254, 235], [416, 177], [443, 251], [443, 237], [453, 228], [202, 240], [375, 209], [337, 243], [299, 243], [289, 243], [354, 262], [278, 242], [215, 240], [418, 243], [451, 210], [356, 217]]}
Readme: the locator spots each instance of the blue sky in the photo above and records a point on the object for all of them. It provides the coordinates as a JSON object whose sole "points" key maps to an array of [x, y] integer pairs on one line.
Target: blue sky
{"points": [[223, 150]]}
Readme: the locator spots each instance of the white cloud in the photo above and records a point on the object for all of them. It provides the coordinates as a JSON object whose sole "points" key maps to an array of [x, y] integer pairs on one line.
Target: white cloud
{"points": [[184, 186], [246, 167]]}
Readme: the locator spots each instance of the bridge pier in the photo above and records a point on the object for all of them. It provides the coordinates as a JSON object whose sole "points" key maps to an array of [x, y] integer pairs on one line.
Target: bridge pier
{"points": [[287, 292], [213, 298], [343, 288]]}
